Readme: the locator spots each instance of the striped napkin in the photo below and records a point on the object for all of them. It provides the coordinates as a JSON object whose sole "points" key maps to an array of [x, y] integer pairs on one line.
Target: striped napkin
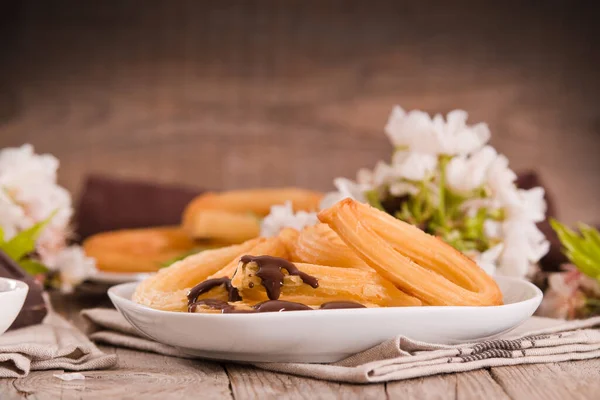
{"points": [[539, 340]]}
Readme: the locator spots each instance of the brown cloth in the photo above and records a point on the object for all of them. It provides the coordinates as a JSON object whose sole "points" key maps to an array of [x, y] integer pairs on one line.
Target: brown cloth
{"points": [[34, 309], [539, 340], [108, 204]]}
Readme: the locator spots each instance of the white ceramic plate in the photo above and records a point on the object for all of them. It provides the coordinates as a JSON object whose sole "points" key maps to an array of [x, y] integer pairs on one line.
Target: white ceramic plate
{"points": [[12, 297], [114, 278], [324, 335]]}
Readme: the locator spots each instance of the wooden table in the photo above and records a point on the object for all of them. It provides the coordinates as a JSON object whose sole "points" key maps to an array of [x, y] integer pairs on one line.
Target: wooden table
{"points": [[150, 376]]}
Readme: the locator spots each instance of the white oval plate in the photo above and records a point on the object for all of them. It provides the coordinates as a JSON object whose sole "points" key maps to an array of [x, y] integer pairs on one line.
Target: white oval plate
{"points": [[324, 335]]}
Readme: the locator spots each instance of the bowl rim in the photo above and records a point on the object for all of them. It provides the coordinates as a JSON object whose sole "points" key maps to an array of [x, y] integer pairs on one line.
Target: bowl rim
{"points": [[14, 286], [113, 292]]}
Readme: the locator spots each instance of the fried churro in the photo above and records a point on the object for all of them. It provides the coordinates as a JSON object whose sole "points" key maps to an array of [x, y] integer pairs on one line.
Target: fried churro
{"points": [[263, 278], [234, 216], [417, 263], [137, 250]]}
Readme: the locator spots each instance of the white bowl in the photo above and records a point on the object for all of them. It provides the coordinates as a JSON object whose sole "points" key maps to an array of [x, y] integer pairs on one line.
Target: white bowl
{"points": [[324, 335], [12, 297]]}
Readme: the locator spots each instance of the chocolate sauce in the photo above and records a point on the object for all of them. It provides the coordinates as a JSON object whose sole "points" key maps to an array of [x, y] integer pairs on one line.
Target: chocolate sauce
{"points": [[280, 305], [207, 285], [265, 306], [269, 271], [215, 304], [333, 305]]}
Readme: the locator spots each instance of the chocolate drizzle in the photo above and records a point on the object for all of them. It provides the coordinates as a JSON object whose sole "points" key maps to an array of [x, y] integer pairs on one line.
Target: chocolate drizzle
{"points": [[265, 306], [280, 305], [334, 305], [271, 275], [269, 271], [207, 285]]}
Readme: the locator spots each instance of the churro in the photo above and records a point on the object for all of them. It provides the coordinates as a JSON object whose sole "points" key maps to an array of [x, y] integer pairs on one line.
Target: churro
{"points": [[137, 250], [313, 284], [320, 245], [234, 216], [417, 263]]}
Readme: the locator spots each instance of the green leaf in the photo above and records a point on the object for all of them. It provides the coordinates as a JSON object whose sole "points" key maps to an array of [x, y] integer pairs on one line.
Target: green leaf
{"points": [[590, 234], [33, 267], [582, 250], [23, 243], [1, 235]]}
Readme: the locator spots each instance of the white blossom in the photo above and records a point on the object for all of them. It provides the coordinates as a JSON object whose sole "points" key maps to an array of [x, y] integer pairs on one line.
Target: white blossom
{"points": [[345, 189], [467, 173], [524, 244], [29, 194], [73, 267], [413, 166], [417, 132], [283, 216], [489, 258], [28, 181], [367, 179]]}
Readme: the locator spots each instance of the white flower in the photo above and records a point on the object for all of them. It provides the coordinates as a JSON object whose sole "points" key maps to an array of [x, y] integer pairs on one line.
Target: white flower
{"points": [[282, 216], [417, 132], [524, 245], [345, 189], [530, 205], [501, 181], [73, 266], [412, 131], [455, 137], [368, 179], [467, 173], [413, 166], [11, 216], [489, 258], [28, 181]]}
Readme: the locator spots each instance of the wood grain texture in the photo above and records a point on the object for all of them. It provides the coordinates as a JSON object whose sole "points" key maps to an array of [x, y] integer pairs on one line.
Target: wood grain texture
{"points": [[550, 381], [245, 93], [466, 386], [137, 375], [252, 383]]}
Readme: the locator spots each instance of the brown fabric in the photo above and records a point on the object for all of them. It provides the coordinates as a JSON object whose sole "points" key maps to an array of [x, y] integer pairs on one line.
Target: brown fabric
{"points": [[539, 340], [54, 344], [108, 204], [34, 309]]}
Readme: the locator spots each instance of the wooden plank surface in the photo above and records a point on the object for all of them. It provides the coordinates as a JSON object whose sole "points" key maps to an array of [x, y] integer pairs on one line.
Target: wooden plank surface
{"points": [[242, 93], [153, 376]]}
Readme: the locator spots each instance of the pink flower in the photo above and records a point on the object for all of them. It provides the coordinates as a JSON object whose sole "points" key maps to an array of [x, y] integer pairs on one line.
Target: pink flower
{"points": [[567, 293]]}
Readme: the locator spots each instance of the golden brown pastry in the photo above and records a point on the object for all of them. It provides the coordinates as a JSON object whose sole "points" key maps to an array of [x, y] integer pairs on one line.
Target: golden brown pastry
{"points": [[319, 244], [332, 284], [137, 250], [168, 289], [417, 263], [234, 216]]}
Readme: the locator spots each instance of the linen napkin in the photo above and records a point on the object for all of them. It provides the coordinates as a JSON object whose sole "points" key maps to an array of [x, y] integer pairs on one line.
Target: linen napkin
{"points": [[53, 344], [538, 340]]}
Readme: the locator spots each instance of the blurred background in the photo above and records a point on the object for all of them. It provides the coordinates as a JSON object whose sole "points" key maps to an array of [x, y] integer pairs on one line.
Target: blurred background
{"points": [[235, 94]]}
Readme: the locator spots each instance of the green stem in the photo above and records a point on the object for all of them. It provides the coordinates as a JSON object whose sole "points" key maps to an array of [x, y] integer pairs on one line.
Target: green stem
{"points": [[442, 201]]}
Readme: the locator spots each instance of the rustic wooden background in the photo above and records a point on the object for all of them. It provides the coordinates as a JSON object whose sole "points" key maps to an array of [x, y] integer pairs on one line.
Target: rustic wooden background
{"points": [[228, 94]]}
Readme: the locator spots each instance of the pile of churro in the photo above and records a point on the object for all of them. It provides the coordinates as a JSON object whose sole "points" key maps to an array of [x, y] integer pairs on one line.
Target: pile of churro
{"points": [[356, 257], [211, 220]]}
